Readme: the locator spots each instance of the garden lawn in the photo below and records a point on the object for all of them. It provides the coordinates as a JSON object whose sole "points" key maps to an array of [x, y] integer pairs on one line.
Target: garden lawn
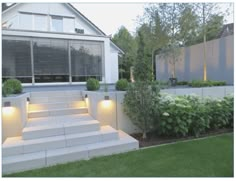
{"points": [[210, 157]]}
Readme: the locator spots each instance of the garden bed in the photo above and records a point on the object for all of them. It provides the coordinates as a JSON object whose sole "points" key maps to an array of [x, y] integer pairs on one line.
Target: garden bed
{"points": [[159, 140]]}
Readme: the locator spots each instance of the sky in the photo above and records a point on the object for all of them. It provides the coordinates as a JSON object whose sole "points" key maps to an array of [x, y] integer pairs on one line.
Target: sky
{"points": [[109, 17]]}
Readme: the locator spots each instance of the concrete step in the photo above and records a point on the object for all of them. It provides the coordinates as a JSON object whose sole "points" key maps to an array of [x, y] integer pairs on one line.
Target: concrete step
{"points": [[30, 161], [54, 99], [56, 105], [57, 112], [16, 145], [64, 128]]}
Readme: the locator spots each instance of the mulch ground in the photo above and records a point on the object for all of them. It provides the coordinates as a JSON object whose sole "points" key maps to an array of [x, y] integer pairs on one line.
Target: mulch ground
{"points": [[153, 139]]}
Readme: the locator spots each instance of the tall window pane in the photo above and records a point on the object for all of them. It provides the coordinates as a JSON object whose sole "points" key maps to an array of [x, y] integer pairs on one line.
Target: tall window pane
{"points": [[57, 23], [40, 22], [16, 60], [86, 60], [51, 60], [69, 25], [26, 21]]}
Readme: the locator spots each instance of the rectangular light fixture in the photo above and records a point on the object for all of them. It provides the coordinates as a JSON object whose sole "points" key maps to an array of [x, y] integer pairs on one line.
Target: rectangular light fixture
{"points": [[86, 96], [106, 98], [7, 104], [28, 99]]}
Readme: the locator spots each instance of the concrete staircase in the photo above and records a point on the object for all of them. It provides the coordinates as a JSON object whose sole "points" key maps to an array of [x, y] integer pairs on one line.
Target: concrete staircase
{"points": [[60, 130]]}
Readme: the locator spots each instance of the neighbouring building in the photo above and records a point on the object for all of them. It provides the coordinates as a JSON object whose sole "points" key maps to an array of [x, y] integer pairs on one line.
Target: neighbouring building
{"points": [[53, 43]]}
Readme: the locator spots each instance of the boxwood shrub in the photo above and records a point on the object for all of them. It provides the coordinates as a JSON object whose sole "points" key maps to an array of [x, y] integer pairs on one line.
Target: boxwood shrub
{"points": [[92, 84], [208, 83], [122, 85], [11, 86]]}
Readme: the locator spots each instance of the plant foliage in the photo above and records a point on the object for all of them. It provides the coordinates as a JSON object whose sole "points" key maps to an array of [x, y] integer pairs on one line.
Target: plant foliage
{"points": [[92, 84]]}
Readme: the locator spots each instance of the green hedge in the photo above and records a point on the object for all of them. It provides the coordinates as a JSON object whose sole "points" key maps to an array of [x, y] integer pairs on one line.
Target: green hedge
{"points": [[11, 86], [208, 83], [92, 84]]}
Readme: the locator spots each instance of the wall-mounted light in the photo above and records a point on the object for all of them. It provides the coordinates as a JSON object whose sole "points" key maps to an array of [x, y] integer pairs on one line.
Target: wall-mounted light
{"points": [[28, 99], [7, 109], [106, 102], [86, 96], [7, 104], [106, 98]]}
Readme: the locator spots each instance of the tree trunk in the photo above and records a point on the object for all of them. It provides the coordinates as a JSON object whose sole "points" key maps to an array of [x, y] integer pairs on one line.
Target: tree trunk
{"points": [[204, 42], [144, 135]]}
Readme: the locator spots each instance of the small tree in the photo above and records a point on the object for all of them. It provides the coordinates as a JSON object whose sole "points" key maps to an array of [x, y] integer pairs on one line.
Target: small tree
{"points": [[140, 103], [142, 96], [171, 54]]}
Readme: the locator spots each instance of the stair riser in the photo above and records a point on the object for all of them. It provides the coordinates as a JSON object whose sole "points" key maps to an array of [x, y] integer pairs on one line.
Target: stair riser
{"points": [[113, 149], [57, 112], [67, 99], [60, 131], [60, 143], [42, 133], [55, 93], [91, 139], [70, 156], [24, 165], [81, 128], [44, 107]]}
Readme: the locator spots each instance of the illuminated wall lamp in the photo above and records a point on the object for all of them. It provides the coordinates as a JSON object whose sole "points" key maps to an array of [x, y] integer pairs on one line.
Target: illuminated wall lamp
{"points": [[86, 96], [28, 99]]}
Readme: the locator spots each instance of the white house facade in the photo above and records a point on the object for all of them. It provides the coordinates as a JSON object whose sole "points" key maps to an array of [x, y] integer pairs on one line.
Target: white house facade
{"points": [[53, 43]]}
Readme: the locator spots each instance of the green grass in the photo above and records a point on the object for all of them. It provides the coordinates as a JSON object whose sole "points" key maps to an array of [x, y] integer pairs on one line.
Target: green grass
{"points": [[211, 157]]}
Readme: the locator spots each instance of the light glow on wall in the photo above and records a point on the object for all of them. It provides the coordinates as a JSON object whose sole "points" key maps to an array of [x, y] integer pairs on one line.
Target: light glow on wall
{"points": [[106, 103], [8, 111]]}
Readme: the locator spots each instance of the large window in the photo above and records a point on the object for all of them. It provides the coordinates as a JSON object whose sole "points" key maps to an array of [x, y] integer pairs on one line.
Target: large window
{"points": [[57, 23], [16, 60], [40, 22], [26, 21], [41, 60], [51, 60], [86, 60]]}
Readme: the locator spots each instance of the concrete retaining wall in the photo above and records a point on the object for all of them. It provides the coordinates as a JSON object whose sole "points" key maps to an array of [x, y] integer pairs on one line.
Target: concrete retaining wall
{"points": [[14, 117], [106, 112]]}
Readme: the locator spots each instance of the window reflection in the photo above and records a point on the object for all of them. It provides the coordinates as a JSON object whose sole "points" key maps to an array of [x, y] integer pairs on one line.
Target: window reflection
{"points": [[16, 60], [86, 60], [51, 60]]}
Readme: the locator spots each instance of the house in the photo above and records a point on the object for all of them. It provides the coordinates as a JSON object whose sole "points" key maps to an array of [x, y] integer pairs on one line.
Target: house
{"points": [[228, 29], [54, 44]]}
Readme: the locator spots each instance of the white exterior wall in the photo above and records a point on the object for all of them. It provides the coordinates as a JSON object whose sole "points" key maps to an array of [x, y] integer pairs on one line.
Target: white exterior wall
{"points": [[56, 9], [62, 9]]}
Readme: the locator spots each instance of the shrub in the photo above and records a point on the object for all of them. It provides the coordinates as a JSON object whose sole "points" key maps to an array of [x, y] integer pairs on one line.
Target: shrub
{"points": [[122, 85], [182, 83], [174, 116], [200, 119], [208, 83], [182, 115], [92, 84], [220, 111], [11, 86], [140, 103]]}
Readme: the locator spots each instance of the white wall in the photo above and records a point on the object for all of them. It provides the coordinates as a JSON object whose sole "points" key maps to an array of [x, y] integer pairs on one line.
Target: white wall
{"points": [[59, 9]]}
